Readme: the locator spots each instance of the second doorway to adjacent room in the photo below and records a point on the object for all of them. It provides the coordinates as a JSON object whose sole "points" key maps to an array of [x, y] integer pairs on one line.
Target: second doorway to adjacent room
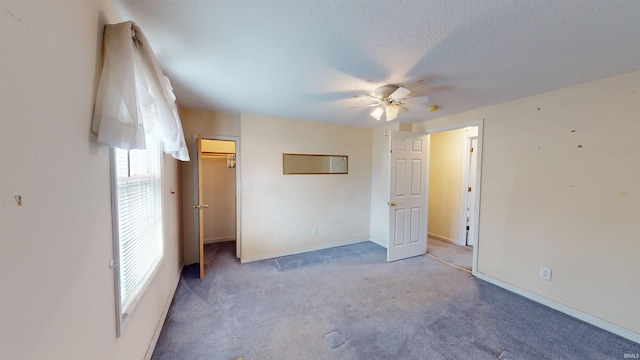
{"points": [[216, 209], [219, 190], [452, 186]]}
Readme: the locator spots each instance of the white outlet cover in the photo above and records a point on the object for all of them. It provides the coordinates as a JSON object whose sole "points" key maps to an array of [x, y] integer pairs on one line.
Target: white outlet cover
{"points": [[545, 273]]}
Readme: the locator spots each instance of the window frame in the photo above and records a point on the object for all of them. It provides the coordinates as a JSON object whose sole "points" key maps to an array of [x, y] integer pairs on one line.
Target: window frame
{"points": [[122, 312]]}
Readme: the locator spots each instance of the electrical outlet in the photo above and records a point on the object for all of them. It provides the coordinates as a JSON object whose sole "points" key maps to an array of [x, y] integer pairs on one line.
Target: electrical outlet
{"points": [[545, 273], [314, 231]]}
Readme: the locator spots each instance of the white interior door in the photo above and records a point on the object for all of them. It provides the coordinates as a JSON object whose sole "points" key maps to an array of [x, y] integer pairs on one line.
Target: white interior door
{"points": [[408, 195]]}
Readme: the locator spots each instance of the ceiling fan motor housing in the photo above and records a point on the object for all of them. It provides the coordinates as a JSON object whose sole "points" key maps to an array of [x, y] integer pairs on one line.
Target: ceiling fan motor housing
{"points": [[383, 92]]}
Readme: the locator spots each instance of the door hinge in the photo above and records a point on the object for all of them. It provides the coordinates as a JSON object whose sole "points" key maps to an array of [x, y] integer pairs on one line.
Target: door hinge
{"points": [[471, 150], [469, 189]]}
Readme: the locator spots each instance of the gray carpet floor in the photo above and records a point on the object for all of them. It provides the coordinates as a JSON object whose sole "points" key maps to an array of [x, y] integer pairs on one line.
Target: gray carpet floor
{"points": [[456, 254], [348, 303]]}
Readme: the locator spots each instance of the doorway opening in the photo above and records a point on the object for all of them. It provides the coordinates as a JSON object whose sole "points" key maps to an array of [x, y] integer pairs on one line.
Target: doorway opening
{"points": [[454, 169], [216, 189], [219, 190]]}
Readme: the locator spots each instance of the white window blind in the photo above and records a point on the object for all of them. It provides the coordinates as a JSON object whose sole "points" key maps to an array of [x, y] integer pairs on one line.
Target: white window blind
{"points": [[139, 218]]}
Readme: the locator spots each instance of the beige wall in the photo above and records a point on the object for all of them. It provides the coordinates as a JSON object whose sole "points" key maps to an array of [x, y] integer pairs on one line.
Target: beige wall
{"points": [[279, 211], [209, 123], [219, 192], [57, 291], [445, 184], [559, 189], [447, 177], [205, 123]]}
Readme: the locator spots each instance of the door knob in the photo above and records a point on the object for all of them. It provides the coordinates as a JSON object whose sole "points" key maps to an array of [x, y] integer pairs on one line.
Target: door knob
{"points": [[392, 203]]}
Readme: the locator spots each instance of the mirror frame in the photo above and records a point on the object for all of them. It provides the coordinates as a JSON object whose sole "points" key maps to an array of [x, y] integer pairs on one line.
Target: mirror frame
{"points": [[293, 172]]}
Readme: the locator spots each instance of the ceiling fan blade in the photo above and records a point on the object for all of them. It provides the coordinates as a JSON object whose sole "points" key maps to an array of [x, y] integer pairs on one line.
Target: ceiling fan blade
{"points": [[366, 105], [416, 100], [378, 113], [400, 93]]}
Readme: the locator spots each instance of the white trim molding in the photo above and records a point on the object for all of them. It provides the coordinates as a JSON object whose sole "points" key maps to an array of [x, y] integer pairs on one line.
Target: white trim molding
{"points": [[443, 238], [219, 239], [300, 250], [163, 317], [590, 319]]}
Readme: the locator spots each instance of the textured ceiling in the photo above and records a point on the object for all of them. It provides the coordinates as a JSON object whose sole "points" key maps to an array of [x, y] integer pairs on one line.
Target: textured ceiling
{"points": [[310, 59]]}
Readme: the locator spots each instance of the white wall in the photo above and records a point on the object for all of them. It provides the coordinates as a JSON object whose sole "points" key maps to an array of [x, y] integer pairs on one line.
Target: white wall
{"points": [[559, 189], [279, 211], [205, 123], [57, 291]]}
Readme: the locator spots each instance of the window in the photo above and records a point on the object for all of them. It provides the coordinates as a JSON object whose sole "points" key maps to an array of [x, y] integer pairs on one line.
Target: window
{"points": [[137, 208]]}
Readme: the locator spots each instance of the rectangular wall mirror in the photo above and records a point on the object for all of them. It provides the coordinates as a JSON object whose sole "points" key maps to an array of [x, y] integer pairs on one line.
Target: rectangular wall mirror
{"points": [[314, 164]]}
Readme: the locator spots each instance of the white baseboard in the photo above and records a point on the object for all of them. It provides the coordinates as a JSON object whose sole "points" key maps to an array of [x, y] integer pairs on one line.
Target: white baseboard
{"points": [[377, 242], [300, 250], [595, 321], [219, 239], [443, 238], [163, 317]]}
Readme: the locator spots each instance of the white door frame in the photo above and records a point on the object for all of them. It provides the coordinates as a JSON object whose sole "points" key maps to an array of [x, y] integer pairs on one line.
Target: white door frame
{"points": [[476, 211], [238, 188], [466, 183]]}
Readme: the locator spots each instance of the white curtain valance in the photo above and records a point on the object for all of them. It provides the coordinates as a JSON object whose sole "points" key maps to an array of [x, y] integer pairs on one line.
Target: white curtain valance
{"points": [[134, 98]]}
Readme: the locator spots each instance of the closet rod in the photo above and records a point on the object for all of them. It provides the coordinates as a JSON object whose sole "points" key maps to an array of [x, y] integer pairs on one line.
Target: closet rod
{"points": [[216, 154]]}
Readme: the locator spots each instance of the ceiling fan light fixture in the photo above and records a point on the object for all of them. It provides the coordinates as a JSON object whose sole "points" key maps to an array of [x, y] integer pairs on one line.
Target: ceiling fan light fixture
{"points": [[389, 101], [395, 110], [377, 113], [392, 112]]}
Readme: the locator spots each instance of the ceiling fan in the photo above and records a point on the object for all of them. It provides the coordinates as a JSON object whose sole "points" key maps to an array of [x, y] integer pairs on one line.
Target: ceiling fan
{"points": [[390, 100]]}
